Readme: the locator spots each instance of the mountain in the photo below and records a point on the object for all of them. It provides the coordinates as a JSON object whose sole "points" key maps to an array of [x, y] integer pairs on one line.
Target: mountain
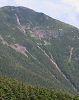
{"points": [[38, 49]]}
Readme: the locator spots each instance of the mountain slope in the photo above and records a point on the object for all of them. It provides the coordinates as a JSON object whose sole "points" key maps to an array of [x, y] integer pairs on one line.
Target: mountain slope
{"points": [[38, 49]]}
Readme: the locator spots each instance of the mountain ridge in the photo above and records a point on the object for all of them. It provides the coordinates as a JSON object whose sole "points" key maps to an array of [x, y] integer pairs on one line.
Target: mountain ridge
{"points": [[38, 49]]}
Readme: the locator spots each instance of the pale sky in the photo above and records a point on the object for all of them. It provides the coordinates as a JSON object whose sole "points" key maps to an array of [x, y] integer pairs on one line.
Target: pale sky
{"points": [[64, 10]]}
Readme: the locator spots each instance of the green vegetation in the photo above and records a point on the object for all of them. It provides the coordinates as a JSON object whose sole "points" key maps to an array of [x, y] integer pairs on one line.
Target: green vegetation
{"points": [[11, 89]]}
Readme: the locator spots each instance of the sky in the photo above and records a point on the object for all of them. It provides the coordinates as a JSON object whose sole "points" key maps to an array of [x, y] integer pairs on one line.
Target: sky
{"points": [[63, 10]]}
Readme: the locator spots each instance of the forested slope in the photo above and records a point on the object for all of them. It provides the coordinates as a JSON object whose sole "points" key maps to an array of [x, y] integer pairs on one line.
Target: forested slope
{"points": [[11, 89]]}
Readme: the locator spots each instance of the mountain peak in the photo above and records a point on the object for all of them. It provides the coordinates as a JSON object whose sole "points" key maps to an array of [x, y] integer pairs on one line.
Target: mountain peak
{"points": [[38, 49]]}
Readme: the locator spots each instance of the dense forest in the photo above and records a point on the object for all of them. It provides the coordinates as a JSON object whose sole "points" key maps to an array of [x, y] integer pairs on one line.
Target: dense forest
{"points": [[11, 89]]}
